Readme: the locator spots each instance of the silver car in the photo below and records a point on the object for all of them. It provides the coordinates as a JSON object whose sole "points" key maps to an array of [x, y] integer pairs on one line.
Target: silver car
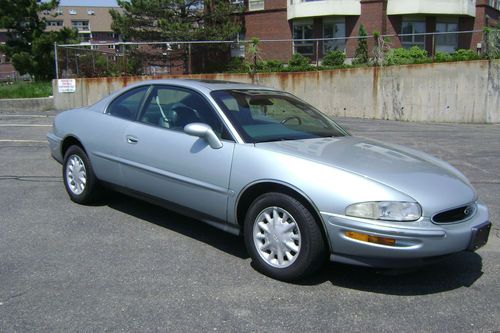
{"points": [[259, 162]]}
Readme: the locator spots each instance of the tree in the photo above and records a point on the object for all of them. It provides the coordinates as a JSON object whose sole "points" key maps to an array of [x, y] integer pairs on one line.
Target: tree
{"points": [[28, 45], [178, 20], [361, 54]]}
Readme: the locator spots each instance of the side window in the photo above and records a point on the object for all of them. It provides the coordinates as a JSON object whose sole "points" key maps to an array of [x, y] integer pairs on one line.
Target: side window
{"points": [[127, 105], [174, 108]]}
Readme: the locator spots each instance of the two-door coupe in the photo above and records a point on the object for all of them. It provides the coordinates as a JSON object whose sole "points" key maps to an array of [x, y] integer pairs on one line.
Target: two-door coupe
{"points": [[260, 162]]}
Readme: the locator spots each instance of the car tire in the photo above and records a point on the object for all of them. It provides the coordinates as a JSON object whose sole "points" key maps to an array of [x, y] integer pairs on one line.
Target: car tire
{"points": [[79, 178], [292, 247]]}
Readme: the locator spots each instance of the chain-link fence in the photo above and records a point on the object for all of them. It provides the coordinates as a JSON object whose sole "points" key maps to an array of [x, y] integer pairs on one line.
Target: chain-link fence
{"points": [[188, 57]]}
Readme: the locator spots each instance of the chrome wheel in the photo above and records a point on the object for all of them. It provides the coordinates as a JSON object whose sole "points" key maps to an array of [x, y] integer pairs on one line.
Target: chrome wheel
{"points": [[76, 174], [276, 236]]}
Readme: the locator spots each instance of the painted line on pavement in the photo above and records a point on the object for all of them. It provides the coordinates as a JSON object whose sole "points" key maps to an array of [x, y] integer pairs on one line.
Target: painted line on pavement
{"points": [[25, 115], [23, 141], [24, 125]]}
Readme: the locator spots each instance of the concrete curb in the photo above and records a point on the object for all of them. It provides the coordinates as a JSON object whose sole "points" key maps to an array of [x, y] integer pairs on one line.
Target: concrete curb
{"points": [[16, 105]]}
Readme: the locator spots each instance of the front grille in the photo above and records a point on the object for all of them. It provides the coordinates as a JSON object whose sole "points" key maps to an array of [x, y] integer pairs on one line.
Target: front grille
{"points": [[455, 215]]}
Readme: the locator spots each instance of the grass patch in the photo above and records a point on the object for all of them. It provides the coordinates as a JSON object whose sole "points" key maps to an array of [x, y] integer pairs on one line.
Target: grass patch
{"points": [[25, 90]]}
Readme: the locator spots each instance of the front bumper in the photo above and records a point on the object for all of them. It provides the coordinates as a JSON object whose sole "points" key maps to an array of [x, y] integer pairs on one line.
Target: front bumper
{"points": [[415, 243], [55, 146]]}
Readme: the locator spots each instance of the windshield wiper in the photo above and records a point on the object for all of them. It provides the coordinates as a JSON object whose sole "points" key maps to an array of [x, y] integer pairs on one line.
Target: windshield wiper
{"points": [[279, 139]]}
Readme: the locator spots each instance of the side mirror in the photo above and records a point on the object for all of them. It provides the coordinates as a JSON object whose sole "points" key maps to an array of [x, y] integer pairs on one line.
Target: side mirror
{"points": [[205, 132]]}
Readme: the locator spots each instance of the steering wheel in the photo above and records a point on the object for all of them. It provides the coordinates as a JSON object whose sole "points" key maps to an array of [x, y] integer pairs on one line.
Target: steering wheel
{"points": [[290, 118]]}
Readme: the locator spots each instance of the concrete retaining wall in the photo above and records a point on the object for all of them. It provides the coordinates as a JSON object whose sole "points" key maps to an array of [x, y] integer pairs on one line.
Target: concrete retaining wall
{"points": [[465, 92], [26, 104]]}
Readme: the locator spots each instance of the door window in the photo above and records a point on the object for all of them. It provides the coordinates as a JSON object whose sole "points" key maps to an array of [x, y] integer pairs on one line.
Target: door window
{"points": [[174, 108], [128, 104]]}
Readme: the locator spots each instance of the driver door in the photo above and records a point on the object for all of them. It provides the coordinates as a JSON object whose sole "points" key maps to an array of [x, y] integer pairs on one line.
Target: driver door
{"points": [[163, 161]]}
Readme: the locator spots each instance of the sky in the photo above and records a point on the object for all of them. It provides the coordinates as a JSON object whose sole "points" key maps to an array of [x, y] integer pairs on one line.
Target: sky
{"points": [[90, 3]]}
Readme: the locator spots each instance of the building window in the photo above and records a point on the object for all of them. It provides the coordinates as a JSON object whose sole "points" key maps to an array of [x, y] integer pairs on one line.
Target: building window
{"points": [[90, 12], [413, 27], [85, 38], [111, 46], [494, 3], [446, 42], [255, 5], [303, 29], [80, 25], [72, 12], [55, 23], [334, 28]]}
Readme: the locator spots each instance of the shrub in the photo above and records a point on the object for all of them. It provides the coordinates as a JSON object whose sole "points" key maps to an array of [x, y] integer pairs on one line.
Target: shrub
{"points": [[491, 47], [442, 57], [305, 68], [334, 58], [237, 64], [402, 56], [361, 54], [298, 60], [273, 65], [461, 55]]}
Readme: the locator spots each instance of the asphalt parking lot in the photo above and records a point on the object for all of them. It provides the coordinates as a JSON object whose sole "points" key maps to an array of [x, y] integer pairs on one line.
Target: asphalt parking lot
{"points": [[125, 265]]}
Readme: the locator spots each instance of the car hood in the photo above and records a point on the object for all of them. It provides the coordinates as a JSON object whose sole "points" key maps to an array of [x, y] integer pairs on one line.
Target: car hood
{"points": [[435, 184]]}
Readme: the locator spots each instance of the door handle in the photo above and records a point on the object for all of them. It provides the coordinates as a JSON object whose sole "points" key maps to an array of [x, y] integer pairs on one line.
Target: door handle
{"points": [[132, 139]]}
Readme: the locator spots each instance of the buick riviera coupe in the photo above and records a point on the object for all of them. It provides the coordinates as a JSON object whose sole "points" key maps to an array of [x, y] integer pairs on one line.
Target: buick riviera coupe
{"points": [[262, 163]]}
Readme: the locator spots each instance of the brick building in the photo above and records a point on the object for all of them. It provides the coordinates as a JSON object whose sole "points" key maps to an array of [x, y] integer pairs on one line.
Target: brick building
{"points": [[92, 22], [309, 19]]}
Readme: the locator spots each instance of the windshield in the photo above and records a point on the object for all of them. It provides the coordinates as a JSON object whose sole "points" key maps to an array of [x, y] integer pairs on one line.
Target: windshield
{"points": [[264, 115]]}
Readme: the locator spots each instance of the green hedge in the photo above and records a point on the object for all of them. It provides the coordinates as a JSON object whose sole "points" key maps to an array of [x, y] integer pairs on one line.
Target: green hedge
{"points": [[336, 59]]}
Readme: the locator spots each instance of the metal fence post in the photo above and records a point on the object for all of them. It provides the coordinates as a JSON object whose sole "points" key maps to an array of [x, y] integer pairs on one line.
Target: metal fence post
{"points": [[56, 61], [125, 60], [317, 53], [433, 47], [93, 61], [189, 59], [77, 65]]}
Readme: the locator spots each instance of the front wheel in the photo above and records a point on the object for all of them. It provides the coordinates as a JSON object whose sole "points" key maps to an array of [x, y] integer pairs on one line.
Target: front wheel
{"points": [[78, 176], [283, 238]]}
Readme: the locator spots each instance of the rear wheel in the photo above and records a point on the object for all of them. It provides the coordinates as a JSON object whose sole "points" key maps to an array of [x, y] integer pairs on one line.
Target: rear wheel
{"points": [[283, 237], [78, 176]]}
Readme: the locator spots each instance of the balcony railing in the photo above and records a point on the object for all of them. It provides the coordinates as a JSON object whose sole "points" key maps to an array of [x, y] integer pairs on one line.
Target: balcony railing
{"points": [[438, 7], [313, 8]]}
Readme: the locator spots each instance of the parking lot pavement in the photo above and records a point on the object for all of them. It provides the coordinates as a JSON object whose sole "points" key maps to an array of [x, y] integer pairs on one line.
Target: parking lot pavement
{"points": [[125, 265]]}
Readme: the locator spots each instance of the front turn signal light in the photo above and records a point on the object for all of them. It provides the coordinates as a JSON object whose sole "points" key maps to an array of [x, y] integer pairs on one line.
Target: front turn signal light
{"points": [[370, 238]]}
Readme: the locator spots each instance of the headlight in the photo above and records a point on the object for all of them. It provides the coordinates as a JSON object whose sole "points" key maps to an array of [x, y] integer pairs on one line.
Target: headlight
{"points": [[385, 210]]}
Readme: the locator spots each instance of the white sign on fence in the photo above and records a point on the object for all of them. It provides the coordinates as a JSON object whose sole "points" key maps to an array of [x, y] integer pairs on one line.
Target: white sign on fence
{"points": [[66, 85]]}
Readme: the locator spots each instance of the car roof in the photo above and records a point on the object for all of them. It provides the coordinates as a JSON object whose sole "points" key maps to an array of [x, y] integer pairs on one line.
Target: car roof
{"points": [[209, 85]]}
